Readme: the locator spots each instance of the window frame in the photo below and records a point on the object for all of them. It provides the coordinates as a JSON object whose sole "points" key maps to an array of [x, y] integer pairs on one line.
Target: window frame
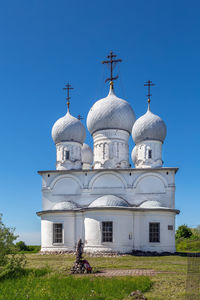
{"points": [[105, 234], [62, 234], [149, 154], [67, 154], [153, 232]]}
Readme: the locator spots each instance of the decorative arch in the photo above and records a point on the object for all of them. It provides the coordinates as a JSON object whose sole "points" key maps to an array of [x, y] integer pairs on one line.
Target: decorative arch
{"points": [[65, 185], [150, 183], [107, 180]]}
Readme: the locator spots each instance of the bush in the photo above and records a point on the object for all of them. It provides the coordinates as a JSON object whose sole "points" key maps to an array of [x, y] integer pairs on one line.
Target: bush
{"points": [[183, 231], [10, 262], [188, 245], [21, 246]]}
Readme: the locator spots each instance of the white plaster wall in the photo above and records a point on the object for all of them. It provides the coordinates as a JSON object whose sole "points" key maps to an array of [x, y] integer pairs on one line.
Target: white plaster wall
{"points": [[68, 232], [111, 149], [122, 231], [134, 186], [74, 161], [141, 231], [140, 154], [83, 187]]}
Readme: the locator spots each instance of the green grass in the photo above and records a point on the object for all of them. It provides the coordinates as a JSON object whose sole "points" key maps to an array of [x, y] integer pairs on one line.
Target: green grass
{"points": [[31, 249], [58, 287], [167, 285], [63, 263]]}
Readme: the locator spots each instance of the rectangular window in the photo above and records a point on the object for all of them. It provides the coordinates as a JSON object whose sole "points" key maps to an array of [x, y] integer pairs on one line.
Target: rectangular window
{"points": [[107, 231], [150, 154], [57, 233], [66, 155], [154, 232]]}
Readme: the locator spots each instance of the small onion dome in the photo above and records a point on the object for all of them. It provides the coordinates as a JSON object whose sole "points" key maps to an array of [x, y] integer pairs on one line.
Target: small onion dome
{"points": [[67, 205], [110, 113], [149, 127], [150, 204], [87, 154], [109, 200], [67, 129]]}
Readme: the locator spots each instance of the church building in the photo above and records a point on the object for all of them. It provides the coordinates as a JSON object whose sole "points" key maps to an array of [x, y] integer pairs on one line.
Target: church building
{"points": [[95, 194]]}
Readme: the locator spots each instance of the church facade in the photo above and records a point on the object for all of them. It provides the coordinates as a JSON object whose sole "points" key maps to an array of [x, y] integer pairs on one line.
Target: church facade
{"points": [[95, 195]]}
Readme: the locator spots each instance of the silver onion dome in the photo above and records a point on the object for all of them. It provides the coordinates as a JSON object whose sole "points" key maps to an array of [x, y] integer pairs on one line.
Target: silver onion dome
{"points": [[110, 112]]}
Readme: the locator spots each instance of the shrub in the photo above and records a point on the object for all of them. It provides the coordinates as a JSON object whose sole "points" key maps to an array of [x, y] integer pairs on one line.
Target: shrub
{"points": [[10, 262], [21, 246], [183, 231]]}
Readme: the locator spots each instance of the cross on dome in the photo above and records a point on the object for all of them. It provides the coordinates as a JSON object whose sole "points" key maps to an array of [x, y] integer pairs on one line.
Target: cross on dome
{"points": [[149, 83], [68, 87], [79, 117], [112, 63]]}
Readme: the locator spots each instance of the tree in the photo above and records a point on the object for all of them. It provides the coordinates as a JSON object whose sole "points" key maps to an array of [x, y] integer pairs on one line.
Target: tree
{"points": [[10, 262], [183, 231], [21, 246]]}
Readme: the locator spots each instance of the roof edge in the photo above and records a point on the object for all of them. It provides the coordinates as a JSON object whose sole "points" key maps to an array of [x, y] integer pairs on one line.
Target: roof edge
{"points": [[44, 212]]}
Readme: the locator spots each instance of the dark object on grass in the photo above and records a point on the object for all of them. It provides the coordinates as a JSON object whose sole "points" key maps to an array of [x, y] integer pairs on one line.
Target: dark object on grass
{"points": [[81, 265], [137, 295]]}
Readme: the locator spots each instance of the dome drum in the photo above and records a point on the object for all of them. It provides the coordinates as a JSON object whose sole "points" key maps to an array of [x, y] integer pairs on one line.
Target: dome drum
{"points": [[68, 156], [87, 156], [111, 149]]}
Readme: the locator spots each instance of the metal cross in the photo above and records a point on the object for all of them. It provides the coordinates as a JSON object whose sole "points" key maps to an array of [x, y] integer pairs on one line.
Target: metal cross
{"points": [[79, 117], [111, 61], [68, 87], [149, 83]]}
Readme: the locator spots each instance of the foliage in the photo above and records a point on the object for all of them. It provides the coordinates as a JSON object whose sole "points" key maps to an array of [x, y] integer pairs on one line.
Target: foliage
{"points": [[196, 232], [10, 262], [21, 246], [188, 245], [183, 231], [30, 286]]}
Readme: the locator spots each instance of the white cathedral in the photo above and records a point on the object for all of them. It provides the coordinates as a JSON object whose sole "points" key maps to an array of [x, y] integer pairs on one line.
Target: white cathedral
{"points": [[95, 195]]}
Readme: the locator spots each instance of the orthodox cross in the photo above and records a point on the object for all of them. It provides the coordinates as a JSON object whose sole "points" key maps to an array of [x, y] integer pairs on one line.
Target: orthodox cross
{"points": [[149, 83], [79, 117], [68, 87], [112, 61]]}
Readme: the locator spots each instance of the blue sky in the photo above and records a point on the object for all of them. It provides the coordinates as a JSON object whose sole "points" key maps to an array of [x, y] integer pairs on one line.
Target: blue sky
{"points": [[44, 44]]}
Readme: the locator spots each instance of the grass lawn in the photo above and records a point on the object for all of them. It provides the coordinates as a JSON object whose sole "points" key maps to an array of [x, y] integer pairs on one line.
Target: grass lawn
{"points": [[57, 284]]}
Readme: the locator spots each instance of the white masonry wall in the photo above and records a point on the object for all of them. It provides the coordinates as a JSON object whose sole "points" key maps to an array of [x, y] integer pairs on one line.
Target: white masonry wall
{"points": [[111, 149], [140, 154], [136, 186], [74, 161]]}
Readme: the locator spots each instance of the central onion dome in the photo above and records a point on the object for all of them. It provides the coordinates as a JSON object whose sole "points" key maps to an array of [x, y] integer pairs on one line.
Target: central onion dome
{"points": [[110, 112], [149, 127], [67, 129]]}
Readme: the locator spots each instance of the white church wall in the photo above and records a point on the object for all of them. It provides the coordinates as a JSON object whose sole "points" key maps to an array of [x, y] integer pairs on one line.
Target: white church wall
{"points": [[167, 237], [47, 232], [148, 154], [111, 149], [83, 187], [122, 231], [73, 161]]}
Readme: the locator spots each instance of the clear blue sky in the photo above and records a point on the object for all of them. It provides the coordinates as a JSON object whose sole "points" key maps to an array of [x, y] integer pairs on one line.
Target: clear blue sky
{"points": [[44, 44]]}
